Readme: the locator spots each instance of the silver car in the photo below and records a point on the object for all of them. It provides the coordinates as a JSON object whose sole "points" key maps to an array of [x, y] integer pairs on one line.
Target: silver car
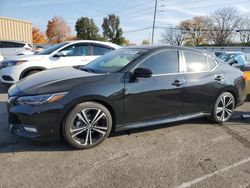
{"points": [[14, 48]]}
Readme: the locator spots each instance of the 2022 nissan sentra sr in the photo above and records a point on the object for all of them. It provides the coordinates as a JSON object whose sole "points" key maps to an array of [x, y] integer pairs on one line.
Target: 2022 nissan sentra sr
{"points": [[126, 88]]}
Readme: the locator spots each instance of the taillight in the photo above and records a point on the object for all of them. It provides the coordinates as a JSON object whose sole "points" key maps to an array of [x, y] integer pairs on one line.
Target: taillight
{"points": [[246, 76]]}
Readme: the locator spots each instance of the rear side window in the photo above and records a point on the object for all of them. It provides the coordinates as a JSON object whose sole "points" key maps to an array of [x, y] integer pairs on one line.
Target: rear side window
{"points": [[100, 50], [19, 45], [11, 45], [163, 62], [196, 62]]}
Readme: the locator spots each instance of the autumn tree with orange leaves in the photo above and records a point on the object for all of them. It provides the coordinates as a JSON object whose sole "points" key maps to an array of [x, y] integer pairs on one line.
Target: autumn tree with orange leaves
{"points": [[38, 37], [57, 30]]}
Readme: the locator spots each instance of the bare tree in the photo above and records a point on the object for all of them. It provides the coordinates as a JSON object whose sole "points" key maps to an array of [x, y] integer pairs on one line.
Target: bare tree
{"points": [[173, 37], [196, 29], [224, 22], [244, 30]]}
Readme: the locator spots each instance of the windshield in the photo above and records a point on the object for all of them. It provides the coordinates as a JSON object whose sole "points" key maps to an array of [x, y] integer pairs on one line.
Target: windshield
{"points": [[51, 49], [228, 56], [113, 61]]}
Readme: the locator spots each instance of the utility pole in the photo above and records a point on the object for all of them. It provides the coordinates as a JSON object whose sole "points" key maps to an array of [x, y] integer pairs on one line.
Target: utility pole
{"points": [[153, 28]]}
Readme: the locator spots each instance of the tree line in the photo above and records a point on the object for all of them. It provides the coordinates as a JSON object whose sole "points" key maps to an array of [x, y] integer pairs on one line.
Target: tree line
{"points": [[226, 26], [58, 31]]}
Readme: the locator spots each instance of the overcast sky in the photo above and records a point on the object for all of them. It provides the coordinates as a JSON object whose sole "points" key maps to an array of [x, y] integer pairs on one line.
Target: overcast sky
{"points": [[134, 14]]}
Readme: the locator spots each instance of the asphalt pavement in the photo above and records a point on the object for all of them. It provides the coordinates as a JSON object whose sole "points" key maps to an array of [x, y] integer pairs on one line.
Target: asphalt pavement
{"points": [[194, 153]]}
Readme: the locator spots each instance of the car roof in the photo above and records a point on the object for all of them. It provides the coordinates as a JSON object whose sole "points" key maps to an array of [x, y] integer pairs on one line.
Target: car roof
{"points": [[234, 52], [13, 41], [162, 47], [96, 42]]}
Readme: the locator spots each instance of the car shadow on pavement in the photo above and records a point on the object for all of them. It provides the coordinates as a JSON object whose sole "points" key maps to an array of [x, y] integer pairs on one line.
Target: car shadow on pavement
{"points": [[11, 143], [240, 117]]}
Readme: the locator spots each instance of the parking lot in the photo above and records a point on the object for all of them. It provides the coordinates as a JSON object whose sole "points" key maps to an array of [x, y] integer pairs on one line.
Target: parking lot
{"points": [[186, 154]]}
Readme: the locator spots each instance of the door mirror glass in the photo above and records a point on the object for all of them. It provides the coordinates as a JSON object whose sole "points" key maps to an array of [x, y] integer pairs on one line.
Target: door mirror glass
{"points": [[142, 72], [235, 62]]}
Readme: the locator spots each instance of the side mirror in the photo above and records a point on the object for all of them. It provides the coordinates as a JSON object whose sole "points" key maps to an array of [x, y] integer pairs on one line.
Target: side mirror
{"points": [[234, 62], [60, 54], [142, 72]]}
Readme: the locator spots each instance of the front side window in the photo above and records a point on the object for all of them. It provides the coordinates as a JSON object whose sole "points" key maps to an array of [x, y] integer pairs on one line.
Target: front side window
{"points": [[196, 62], [52, 49], [19, 45], [162, 63], [76, 50], [100, 50]]}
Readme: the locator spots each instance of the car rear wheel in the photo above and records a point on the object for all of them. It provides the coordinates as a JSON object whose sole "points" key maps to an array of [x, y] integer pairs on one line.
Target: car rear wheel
{"points": [[223, 108], [87, 125]]}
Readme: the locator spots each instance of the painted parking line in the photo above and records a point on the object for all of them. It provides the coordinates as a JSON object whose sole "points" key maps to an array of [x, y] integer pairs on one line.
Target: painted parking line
{"points": [[198, 180]]}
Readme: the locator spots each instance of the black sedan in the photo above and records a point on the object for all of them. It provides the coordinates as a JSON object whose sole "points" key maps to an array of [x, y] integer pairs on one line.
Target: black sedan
{"points": [[127, 88]]}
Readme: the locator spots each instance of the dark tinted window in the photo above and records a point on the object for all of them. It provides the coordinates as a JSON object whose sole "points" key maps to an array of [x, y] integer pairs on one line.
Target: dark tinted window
{"points": [[100, 50], [11, 45], [196, 62], [19, 45], [162, 62], [76, 50]]}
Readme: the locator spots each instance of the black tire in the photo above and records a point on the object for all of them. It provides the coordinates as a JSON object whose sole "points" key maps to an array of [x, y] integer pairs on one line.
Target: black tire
{"points": [[222, 113], [248, 98], [30, 73], [80, 126]]}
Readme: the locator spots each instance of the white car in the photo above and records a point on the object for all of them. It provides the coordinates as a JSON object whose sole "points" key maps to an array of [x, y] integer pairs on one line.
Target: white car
{"points": [[9, 49], [69, 53]]}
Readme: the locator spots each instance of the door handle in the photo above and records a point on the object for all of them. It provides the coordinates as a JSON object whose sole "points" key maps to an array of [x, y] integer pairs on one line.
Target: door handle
{"points": [[178, 83], [218, 78]]}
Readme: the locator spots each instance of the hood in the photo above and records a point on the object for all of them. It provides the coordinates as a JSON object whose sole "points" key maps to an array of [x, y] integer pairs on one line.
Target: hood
{"points": [[27, 57], [53, 80]]}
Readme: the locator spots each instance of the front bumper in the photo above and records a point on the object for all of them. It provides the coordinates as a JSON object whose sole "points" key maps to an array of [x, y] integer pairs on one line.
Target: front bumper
{"points": [[40, 123], [8, 75]]}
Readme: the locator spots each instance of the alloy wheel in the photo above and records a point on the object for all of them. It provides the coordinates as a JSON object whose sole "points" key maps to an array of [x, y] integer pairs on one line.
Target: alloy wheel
{"points": [[89, 126], [224, 107]]}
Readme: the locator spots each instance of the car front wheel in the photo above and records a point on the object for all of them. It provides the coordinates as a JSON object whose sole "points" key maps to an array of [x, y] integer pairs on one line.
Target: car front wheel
{"points": [[223, 108], [87, 125]]}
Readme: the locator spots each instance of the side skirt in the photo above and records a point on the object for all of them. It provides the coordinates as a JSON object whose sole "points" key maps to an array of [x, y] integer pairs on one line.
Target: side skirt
{"points": [[159, 121]]}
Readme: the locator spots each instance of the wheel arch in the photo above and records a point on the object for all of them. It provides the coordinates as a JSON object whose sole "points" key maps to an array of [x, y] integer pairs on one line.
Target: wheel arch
{"points": [[99, 99], [25, 71], [230, 89]]}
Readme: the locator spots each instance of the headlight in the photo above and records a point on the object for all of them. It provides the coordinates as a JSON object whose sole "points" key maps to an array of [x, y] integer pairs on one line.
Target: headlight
{"points": [[12, 63], [40, 99]]}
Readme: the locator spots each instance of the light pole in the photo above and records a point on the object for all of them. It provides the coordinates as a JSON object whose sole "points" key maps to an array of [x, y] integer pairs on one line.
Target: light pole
{"points": [[153, 28]]}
